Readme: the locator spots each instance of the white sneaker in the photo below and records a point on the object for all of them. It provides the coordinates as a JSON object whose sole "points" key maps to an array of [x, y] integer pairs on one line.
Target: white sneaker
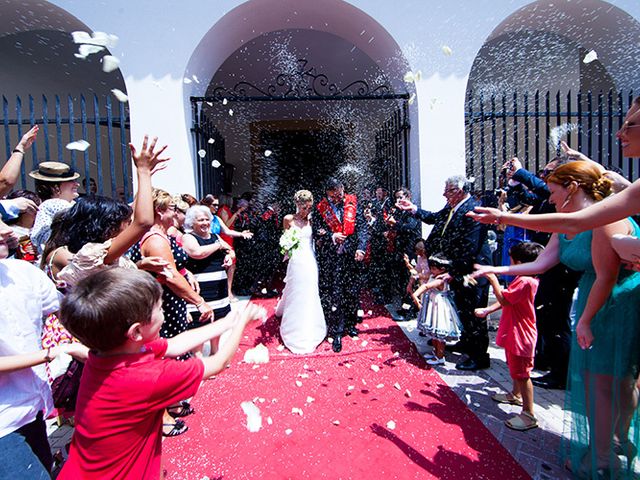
{"points": [[429, 356], [436, 361]]}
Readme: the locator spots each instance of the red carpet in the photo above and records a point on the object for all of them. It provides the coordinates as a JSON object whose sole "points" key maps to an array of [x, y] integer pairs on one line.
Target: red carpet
{"points": [[435, 434]]}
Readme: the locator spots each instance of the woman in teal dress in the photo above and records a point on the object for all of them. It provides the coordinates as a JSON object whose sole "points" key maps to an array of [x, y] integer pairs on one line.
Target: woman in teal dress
{"points": [[601, 404]]}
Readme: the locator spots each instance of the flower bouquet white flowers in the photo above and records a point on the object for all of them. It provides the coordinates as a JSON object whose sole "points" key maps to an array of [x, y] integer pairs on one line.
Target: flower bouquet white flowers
{"points": [[289, 242]]}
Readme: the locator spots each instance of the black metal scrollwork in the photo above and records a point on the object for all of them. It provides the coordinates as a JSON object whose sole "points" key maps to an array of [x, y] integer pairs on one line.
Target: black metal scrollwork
{"points": [[305, 82]]}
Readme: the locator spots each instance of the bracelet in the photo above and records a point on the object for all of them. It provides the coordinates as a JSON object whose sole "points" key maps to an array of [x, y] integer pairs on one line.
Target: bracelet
{"points": [[17, 150], [198, 305], [47, 357]]}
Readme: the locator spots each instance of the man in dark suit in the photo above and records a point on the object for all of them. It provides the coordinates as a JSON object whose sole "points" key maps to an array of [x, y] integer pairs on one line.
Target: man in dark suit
{"points": [[463, 242], [341, 236]]}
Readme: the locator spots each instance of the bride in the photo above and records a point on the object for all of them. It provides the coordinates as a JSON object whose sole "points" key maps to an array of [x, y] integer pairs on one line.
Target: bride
{"points": [[303, 326]]}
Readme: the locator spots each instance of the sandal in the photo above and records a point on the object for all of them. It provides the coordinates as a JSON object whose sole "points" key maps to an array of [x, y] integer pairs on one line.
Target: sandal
{"points": [[178, 428], [183, 409], [587, 471], [522, 422], [508, 398]]}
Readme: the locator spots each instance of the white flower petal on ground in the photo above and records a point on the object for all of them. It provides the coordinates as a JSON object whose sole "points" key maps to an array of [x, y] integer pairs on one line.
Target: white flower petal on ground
{"points": [[590, 57], [391, 425], [375, 368], [379, 355], [298, 383], [267, 153], [80, 145], [110, 63], [257, 354], [447, 50], [406, 306], [407, 393], [297, 411], [288, 431], [397, 386], [380, 385], [360, 313], [369, 312], [231, 112], [364, 343], [210, 104], [280, 348], [263, 291], [303, 375], [305, 366], [120, 95], [216, 164], [351, 387], [224, 101], [269, 420], [211, 140], [262, 400], [336, 422], [348, 365], [310, 399], [396, 354], [202, 153], [254, 419]]}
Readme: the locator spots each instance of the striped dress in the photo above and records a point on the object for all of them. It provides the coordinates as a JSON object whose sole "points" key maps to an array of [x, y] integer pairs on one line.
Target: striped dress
{"points": [[212, 278]]}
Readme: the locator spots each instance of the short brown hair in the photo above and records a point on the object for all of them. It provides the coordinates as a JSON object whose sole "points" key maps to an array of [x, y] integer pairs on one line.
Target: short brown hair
{"points": [[101, 308]]}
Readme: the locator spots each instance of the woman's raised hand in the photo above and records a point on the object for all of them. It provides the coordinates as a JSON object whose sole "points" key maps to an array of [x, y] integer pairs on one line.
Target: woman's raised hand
{"points": [[482, 270], [148, 158], [486, 215], [28, 138]]}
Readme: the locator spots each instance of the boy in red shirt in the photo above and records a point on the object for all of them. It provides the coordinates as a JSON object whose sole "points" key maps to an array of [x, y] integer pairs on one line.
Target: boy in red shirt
{"points": [[128, 380], [517, 333]]}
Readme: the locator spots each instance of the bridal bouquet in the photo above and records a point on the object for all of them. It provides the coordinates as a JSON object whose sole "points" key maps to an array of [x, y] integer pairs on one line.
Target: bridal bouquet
{"points": [[289, 242]]}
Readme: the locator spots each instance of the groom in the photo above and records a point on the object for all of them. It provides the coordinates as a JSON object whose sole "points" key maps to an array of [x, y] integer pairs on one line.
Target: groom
{"points": [[340, 233]]}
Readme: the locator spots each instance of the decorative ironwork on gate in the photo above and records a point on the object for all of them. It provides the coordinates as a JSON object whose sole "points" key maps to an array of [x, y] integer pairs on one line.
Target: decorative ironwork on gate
{"points": [[530, 125], [304, 84]]}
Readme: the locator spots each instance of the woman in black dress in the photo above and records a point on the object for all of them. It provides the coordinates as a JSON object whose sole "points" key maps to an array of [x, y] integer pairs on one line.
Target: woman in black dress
{"points": [[208, 257]]}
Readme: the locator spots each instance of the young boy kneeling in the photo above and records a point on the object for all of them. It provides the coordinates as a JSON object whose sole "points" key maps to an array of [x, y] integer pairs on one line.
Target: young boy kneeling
{"points": [[517, 333], [128, 381]]}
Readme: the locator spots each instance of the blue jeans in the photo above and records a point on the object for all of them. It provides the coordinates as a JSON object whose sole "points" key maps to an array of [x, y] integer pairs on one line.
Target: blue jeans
{"points": [[17, 457]]}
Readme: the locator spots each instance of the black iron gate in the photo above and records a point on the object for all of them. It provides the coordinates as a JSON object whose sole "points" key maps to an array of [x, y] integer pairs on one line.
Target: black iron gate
{"points": [[391, 160], [531, 125]]}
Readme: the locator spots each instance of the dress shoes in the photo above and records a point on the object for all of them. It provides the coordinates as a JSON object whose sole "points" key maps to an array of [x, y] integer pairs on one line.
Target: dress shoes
{"points": [[472, 364], [549, 381], [337, 344], [458, 347], [352, 332]]}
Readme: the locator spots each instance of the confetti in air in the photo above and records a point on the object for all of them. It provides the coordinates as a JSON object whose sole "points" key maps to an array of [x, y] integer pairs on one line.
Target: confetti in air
{"points": [[195, 79], [231, 112], [216, 164], [92, 43], [447, 50], [360, 313], [267, 153], [202, 153], [109, 63], [80, 145], [558, 133], [186, 80], [590, 57], [254, 419], [211, 141], [412, 98], [120, 95], [257, 354], [224, 101], [411, 77]]}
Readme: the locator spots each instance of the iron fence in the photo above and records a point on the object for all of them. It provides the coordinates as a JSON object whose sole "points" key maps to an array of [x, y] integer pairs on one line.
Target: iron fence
{"points": [[530, 126], [99, 121]]}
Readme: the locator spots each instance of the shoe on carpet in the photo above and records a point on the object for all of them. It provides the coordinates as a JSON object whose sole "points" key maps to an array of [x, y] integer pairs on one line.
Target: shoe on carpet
{"points": [[507, 398], [436, 361], [178, 428], [337, 344], [182, 409], [471, 364], [458, 347], [522, 422]]}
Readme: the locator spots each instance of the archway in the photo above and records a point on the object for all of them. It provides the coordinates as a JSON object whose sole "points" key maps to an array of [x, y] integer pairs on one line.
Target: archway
{"points": [[290, 42], [533, 84], [44, 82]]}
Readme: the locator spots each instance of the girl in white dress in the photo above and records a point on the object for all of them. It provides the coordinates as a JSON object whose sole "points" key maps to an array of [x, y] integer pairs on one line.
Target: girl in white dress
{"points": [[303, 326], [438, 317]]}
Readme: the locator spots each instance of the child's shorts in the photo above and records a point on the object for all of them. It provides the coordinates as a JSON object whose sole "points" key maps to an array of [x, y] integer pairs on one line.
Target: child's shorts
{"points": [[519, 367]]}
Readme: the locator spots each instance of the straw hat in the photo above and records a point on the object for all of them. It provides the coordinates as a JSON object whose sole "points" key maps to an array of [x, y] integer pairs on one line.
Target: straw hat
{"points": [[54, 172]]}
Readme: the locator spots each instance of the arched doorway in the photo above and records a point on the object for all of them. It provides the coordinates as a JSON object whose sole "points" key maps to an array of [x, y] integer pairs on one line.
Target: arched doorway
{"points": [[46, 83], [532, 85], [290, 106]]}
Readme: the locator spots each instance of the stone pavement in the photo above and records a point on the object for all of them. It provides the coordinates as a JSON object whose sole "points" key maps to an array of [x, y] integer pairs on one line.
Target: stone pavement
{"points": [[536, 450]]}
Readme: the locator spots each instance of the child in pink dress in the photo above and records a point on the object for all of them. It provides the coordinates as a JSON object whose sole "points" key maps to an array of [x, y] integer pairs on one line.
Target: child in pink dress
{"points": [[517, 333]]}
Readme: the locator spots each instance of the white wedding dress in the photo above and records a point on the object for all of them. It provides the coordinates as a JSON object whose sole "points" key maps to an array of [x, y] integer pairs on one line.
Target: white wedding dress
{"points": [[302, 327]]}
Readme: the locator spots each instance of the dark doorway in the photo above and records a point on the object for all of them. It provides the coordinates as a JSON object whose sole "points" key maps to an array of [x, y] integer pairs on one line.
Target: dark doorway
{"points": [[295, 159]]}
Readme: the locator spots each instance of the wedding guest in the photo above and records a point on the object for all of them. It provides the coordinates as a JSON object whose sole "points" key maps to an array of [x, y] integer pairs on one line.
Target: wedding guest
{"points": [[517, 333], [11, 170], [22, 226], [118, 314], [57, 185]]}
